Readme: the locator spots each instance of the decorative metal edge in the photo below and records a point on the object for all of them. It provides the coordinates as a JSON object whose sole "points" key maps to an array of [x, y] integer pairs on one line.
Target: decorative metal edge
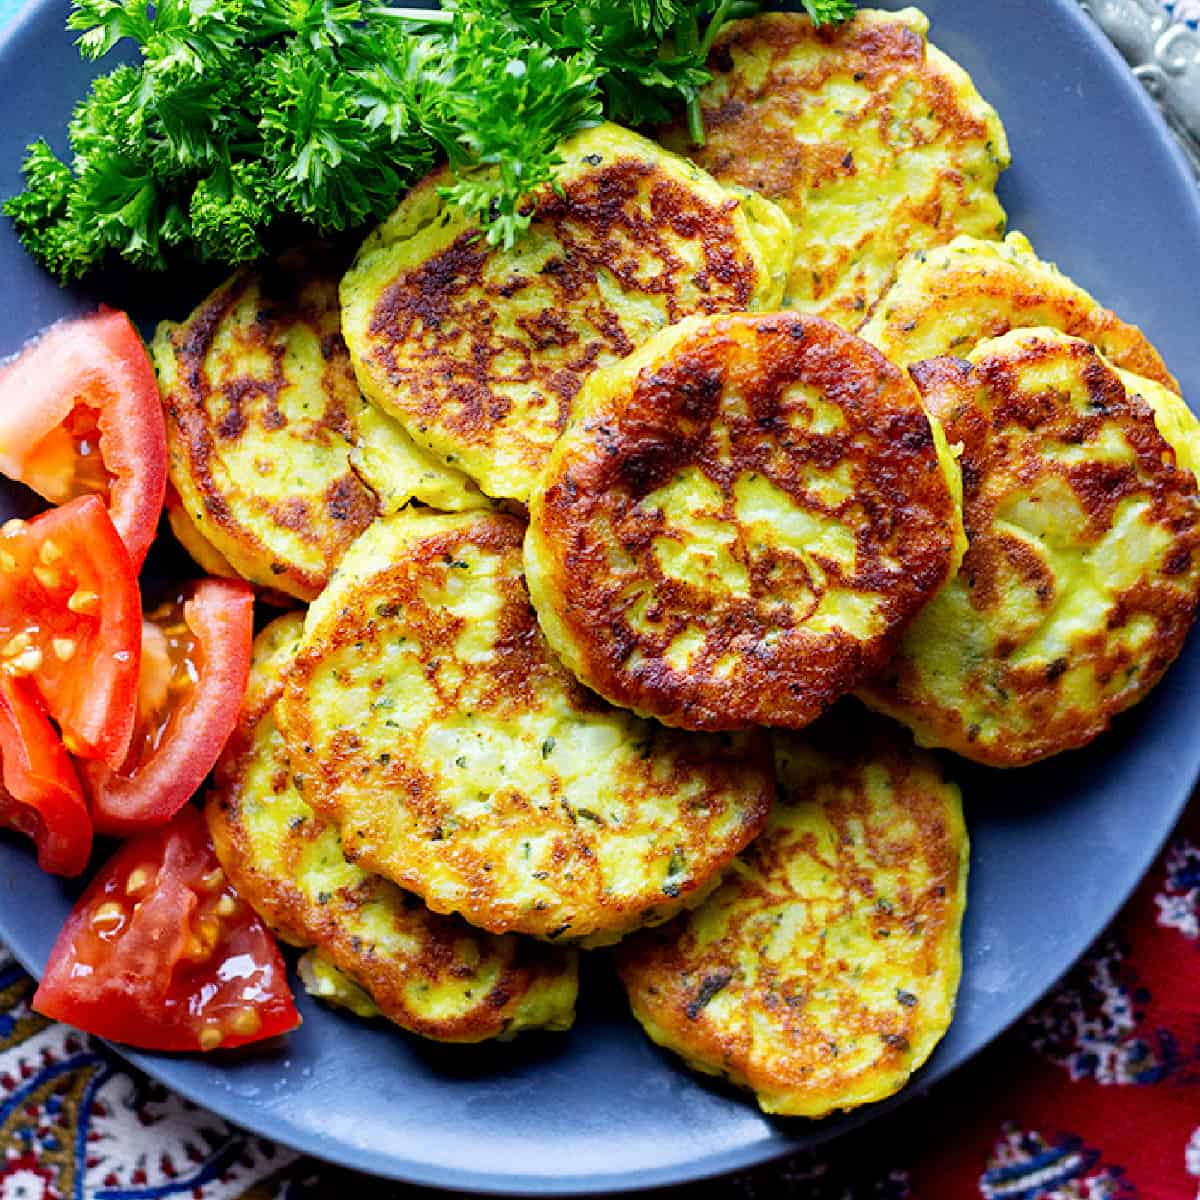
{"points": [[1164, 55]]}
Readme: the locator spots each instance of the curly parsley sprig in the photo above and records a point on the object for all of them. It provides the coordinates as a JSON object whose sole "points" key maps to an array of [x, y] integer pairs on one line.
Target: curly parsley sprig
{"points": [[246, 116]]}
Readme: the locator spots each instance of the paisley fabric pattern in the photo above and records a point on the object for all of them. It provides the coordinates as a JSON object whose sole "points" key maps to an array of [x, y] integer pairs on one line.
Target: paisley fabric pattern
{"points": [[75, 1123], [1025, 1166], [1092, 1025], [1095, 1096], [1179, 902]]}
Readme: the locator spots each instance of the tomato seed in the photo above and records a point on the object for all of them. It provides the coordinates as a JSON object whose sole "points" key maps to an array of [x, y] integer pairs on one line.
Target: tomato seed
{"points": [[213, 880], [13, 528], [49, 579], [50, 552], [139, 879], [210, 1037], [83, 602], [108, 918], [64, 648], [25, 663], [17, 644], [226, 906], [246, 1022]]}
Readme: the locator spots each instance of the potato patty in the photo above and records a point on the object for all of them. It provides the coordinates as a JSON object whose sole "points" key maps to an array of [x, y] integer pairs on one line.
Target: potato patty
{"points": [[399, 471], [432, 975], [429, 722], [823, 972], [947, 300], [739, 522], [871, 140], [479, 351], [1082, 576], [263, 411], [203, 553]]}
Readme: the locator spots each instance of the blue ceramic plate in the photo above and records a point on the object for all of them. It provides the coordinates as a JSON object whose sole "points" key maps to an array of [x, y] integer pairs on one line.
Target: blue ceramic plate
{"points": [[1099, 187]]}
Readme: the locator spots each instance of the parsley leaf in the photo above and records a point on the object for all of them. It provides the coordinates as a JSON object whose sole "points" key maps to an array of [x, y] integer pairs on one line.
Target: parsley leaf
{"points": [[248, 118], [829, 12]]}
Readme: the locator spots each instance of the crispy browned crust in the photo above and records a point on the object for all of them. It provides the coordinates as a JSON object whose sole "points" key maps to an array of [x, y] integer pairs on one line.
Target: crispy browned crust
{"points": [[598, 229], [428, 847], [446, 948], [752, 121], [205, 420], [997, 296], [678, 416], [1003, 431], [745, 145], [821, 1023], [441, 353]]}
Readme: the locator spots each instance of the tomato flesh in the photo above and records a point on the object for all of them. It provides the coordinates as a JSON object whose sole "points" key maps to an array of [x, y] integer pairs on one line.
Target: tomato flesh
{"points": [[40, 795], [195, 664], [162, 954], [68, 461], [70, 622], [80, 414]]}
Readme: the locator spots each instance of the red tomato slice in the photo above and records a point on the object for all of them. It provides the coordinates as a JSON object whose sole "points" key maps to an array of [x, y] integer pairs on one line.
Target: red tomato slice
{"points": [[80, 414], [195, 663], [160, 952], [71, 622], [40, 795]]}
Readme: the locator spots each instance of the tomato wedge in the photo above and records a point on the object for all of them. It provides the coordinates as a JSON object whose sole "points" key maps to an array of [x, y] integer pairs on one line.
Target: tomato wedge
{"points": [[80, 414], [40, 795], [70, 620], [160, 952], [195, 663]]}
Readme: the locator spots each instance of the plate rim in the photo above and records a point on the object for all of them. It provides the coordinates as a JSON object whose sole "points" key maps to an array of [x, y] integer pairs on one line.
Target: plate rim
{"points": [[776, 1143]]}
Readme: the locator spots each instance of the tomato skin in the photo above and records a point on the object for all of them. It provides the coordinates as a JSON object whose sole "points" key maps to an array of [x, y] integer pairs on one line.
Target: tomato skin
{"points": [[146, 793], [134, 962], [92, 691], [40, 795], [96, 362]]}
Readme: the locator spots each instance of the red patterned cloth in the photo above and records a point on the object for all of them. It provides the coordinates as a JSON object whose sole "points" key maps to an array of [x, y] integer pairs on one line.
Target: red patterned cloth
{"points": [[1097, 1094], [1094, 1096]]}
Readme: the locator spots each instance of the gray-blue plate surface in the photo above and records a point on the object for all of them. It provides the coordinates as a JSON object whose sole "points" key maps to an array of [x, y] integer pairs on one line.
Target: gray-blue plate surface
{"points": [[1098, 186]]}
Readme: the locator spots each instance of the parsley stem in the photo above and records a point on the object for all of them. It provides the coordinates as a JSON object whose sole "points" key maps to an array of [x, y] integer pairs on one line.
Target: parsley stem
{"points": [[419, 16], [687, 42], [719, 17], [695, 115], [688, 37]]}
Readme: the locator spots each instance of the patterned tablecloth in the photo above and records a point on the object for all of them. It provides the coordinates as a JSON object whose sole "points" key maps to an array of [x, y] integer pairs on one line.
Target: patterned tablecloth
{"points": [[1096, 1096]]}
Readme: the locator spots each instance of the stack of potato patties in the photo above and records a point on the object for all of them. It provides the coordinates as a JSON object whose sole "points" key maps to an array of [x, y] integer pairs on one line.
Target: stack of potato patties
{"points": [[597, 529]]}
